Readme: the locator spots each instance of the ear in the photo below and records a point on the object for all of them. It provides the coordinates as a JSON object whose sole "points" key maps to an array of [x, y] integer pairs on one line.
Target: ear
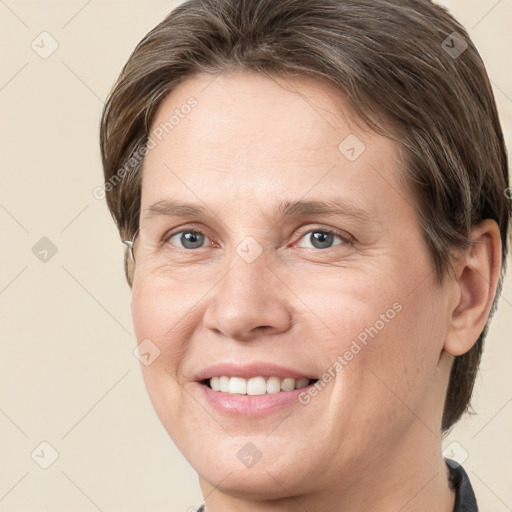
{"points": [[477, 272]]}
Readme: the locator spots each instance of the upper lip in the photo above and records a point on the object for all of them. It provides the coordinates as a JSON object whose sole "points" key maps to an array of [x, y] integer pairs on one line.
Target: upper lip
{"points": [[255, 369]]}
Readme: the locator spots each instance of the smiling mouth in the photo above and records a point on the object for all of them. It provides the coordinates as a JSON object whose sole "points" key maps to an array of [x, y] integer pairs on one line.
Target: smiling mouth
{"points": [[255, 385]]}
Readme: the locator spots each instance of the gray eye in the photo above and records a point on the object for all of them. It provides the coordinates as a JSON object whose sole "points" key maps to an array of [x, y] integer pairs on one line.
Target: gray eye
{"points": [[320, 239], [189, 239]]}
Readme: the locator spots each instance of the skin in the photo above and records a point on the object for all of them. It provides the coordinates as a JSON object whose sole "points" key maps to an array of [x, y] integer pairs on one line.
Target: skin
{"points": [[370, 440]]}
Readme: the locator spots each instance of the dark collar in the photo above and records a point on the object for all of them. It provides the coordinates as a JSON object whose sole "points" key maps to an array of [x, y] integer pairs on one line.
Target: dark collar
{"points": [[465, 500]]}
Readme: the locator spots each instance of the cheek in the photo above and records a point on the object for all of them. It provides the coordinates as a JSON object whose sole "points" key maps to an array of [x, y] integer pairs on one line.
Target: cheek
{"points": [[385, 349], [148, 310], [154, 314], [160, 310], [396, 370], [156, 319]]}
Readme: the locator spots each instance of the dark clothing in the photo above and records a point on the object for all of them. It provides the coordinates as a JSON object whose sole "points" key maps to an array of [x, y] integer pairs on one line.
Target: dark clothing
{"points": [[465, 500]]}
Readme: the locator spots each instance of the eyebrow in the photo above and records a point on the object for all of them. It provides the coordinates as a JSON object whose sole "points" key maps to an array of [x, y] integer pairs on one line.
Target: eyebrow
{"points": [[287, 208]]}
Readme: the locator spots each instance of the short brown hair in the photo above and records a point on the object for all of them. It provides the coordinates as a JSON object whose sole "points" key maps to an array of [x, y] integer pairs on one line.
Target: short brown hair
{"points": [[407, 62]]}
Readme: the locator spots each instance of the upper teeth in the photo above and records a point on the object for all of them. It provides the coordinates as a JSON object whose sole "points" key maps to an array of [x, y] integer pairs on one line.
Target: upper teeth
{"points": [[256, 385]]}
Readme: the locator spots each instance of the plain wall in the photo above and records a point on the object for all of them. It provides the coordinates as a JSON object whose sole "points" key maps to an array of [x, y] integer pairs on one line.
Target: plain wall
{"points": [[68, 373]]}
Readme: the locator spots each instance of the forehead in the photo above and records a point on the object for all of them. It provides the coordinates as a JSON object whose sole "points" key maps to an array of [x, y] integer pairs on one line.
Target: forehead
{"points": [[241, 138]]}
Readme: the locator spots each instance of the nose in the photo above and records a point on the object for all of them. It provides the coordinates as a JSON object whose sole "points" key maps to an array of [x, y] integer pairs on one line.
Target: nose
{"points": [[251, 301]]}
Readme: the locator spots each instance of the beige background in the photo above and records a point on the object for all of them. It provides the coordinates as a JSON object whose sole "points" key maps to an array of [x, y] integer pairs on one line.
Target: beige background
{"points": [[68, 374]]}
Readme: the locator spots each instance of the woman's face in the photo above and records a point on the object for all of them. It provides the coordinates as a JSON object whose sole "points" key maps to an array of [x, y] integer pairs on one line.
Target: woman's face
{"points": [[262, 282]]}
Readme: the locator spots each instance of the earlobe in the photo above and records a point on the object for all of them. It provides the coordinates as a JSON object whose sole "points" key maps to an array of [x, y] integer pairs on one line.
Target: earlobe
{"points": [[477, 278]]}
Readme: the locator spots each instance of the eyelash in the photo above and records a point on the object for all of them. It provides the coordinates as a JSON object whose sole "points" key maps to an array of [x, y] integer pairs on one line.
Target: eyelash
{"points": [[346, 239]]}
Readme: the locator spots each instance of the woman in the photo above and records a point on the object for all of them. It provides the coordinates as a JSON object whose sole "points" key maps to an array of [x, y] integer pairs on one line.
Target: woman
{"points": [[312, 197]]}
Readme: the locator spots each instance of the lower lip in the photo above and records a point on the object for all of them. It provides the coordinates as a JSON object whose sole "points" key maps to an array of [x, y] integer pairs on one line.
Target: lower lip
{"points": [[251, 405]]}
